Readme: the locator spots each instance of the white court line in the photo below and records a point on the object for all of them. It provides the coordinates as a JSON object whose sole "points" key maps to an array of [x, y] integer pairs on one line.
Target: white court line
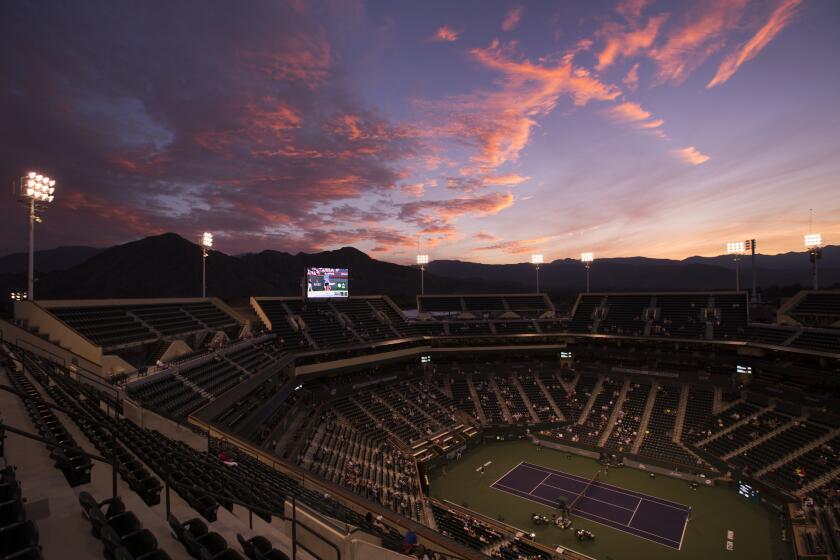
{"points": [[634, 512], [585, 497], [585, 514], [538, 485], [507, 473], [618, 489], [685, 524]]}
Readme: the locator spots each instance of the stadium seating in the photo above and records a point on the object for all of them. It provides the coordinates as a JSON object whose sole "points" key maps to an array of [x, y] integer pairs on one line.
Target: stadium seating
{"points": [[625, 314], [625, 431], [658, 439], [19, 536], [780, 445]]}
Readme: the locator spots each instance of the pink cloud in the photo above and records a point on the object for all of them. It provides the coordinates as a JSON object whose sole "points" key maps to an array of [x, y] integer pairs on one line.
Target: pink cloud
{"points": [[446, 34], [779, 19], [631, 80], [629, 112], [512, 18], [702, 33], [691, 155], [484, 236], [508, 179], [621, 42]]}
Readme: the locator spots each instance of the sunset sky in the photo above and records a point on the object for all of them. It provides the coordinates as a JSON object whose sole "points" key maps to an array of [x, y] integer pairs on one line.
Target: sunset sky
{"points": [[484, 130]]}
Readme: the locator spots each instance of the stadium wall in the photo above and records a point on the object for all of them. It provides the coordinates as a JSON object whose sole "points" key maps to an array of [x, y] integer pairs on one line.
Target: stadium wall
{"points": [[37, 317], [37, 345], [153, 421]]}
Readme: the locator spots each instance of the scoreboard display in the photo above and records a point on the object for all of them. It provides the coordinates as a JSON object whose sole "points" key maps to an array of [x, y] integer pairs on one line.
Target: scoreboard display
{"points": [[748, 491], [327, 283]]}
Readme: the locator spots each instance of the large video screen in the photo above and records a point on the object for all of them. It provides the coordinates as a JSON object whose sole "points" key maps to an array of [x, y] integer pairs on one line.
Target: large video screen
{"points": [[327, 283]]}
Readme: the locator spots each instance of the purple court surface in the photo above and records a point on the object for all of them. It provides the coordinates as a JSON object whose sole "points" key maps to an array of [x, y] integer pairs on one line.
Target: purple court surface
{"points": [[645, 516]]}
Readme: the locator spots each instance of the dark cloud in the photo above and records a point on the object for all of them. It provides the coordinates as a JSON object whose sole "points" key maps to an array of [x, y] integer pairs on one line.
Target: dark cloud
{"points": [[185, 116]]}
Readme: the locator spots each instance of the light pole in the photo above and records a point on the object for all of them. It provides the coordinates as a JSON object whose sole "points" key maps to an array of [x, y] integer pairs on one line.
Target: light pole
{"points": [[206, 243], [537, 260], [36, 191], [736, 249], [814, 244], [422, 261], [586, 259], [750, 245]]}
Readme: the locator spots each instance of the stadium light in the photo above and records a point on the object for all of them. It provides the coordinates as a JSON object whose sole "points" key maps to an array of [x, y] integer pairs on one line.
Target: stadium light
{"points": [[814, 245], [18, 296], [537, 260], [750, 245], [587, 259], [35, 191], [206, 243], [736, 250], [422, 261]]}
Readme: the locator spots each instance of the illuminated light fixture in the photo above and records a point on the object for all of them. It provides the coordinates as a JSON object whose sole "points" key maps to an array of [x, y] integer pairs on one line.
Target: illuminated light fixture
{"points": [[206, 243], [537, 260], [587, 259], [736, 249], [813, 241], [36, 191], [18, 296], [814, 245], [422, 261]]}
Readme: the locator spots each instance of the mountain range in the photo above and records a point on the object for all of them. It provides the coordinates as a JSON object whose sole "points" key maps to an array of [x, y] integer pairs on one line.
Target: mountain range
{"points": [[170, 266]]}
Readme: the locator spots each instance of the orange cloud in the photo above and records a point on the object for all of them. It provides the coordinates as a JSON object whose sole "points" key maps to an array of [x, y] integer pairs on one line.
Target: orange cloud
{"points": [[779, 19], [485, 236], [512, 18], [621, 43], [446, 34], [702, 34], [691, 155], [516, 247], [629, 112], [631, 9], [501, 121]]}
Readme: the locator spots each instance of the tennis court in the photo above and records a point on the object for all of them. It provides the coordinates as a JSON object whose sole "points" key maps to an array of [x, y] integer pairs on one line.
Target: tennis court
{"points": [[644, 516]]}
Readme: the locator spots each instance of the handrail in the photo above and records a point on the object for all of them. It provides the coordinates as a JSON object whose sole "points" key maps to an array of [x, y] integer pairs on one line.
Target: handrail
{"points": [[73, 416], [251, 509], [84, 372]]}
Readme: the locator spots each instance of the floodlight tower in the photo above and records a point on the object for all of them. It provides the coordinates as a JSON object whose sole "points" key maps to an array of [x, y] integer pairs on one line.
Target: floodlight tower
{"points": [[750, 245], [422, 261], [814, 244], [35, 191], [18, 296], [586, 259], [736, 249], [537, 260], [206, 243]]}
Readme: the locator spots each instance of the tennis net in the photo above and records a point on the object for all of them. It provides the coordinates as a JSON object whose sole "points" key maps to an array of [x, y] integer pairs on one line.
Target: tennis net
{"points": [[582, 494]]}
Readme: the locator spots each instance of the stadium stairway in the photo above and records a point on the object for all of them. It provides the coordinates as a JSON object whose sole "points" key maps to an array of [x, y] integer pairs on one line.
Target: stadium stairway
{"points": [[599, 386], [833, 474], [735, 425], [759, 440], [528, 404], [717, 401], [570, 385], [680, 422], [501, 398], [557, 412], [476, 401], [798, 452], [619, 405], [191, 385], [654, 389]]}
